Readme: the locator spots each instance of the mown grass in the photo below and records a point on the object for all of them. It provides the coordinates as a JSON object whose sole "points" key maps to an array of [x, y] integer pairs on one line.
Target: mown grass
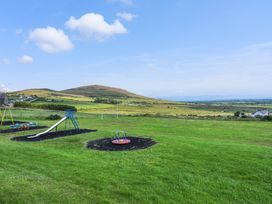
{"points": [[195, 161]]}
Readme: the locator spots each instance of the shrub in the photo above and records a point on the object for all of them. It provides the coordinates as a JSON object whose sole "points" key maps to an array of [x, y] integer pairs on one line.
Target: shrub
{"points": [[53, 117], [267, 118], [22, 104], [237, 114], [61, 107], [106, 101], [243, 116]]}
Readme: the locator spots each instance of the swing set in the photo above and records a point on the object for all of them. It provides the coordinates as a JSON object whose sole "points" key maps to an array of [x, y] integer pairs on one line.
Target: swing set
{"points": [[4, 114], [5, 109]]}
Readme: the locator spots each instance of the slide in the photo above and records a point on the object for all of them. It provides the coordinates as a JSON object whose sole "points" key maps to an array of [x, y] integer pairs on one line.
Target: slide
{"points": [[51, 128]]}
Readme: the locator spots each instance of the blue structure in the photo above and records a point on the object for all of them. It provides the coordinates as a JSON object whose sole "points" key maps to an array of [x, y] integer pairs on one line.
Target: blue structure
{"points": [[71, 115], [120, 135]]}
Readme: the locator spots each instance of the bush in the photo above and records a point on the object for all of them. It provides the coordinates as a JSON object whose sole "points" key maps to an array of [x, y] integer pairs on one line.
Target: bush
{"points": [[22, 105], [243, 116], [53, 117], [61, 107], [267, 118], [237, 114], [240, 114], [106, 101]]}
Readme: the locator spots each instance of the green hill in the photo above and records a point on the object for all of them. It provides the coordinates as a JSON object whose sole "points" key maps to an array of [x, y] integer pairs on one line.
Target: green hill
{"points": [[81, 92], [103, 99], [101, 91]]}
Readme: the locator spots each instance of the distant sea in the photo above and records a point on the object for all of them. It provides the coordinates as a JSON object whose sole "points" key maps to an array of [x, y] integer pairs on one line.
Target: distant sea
{"points": [[214, 98]]}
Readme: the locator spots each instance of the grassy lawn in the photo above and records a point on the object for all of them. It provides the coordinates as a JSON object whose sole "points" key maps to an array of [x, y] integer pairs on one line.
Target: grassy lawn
{"points": [[195, 161]]}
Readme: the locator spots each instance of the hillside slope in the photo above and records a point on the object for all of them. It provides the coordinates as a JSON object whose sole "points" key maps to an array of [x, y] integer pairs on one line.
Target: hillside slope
{"points": [[84, 100], [48, 93], [101, 91], [83, 93]]}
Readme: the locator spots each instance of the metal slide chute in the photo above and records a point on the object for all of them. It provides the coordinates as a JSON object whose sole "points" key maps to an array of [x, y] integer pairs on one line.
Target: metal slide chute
{"points": [[69, 115]]}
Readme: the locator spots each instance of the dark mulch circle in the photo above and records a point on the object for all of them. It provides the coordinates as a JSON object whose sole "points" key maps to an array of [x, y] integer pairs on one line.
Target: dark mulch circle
{"points": [[105, 144], [52, 135], [10, 122], [20, 130]]}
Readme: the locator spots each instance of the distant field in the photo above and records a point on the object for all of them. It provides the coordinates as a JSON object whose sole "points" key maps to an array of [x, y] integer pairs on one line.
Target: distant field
{"points": [[125, 106], [230, 107], [195, 161], [136, 105]]}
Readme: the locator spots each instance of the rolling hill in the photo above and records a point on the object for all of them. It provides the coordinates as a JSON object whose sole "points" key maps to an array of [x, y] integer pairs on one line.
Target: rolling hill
{"points": [[81, 92], [101, 91], [98, 99]]}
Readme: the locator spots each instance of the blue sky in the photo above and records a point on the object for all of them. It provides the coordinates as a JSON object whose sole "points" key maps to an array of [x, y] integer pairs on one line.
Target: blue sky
{"points": [[174, 48]]}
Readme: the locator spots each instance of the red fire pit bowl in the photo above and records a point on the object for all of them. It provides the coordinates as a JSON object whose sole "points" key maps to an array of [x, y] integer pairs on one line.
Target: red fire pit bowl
{"points": [[120, 141]]}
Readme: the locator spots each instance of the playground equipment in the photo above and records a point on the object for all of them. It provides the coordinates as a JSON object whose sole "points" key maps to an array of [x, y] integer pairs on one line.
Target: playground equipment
{"points": [[6, 107], [68, 115], [23, 126], [121, 138], [4, 114]]}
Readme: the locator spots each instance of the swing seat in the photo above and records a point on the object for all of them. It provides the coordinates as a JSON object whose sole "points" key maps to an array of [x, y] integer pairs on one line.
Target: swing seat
{"points": [[16, 126], [32, 124]]}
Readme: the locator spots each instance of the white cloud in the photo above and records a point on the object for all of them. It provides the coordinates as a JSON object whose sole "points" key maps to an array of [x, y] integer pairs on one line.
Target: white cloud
{"points": [[51, 40], [3, 88], [5, 61], [25, 59], [94, 26], [125, 2], [126, 16]]}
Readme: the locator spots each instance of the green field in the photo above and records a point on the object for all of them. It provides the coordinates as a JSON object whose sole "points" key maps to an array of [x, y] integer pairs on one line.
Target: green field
{"points": [[83, 99], [195, 161]]}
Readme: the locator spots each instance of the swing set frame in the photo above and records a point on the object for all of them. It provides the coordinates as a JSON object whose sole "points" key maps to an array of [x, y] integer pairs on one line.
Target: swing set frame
{"points": [[4, 114]]}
